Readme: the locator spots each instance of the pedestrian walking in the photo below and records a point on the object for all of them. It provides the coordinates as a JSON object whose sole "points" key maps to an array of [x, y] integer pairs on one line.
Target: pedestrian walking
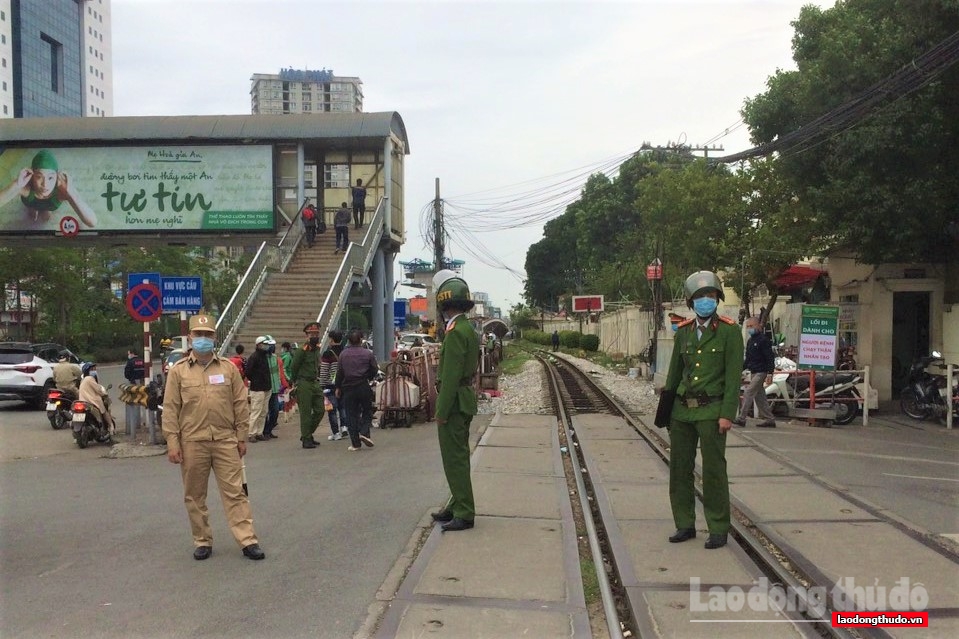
{"points": [[341, 224], [359, 203], [555, 340], [309, 394], [329, 365], [309, 224], [261, 386], [760, 363], [206, 419], [456, 398], [704, 373], [278, 384], [357, 368]]}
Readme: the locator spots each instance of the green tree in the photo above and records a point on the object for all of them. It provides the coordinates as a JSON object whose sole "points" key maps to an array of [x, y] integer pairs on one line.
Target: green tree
{"points": [[885, 188]]}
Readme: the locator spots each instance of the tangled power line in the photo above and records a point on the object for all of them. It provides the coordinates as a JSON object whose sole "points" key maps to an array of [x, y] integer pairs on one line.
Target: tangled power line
{"points": [[534, 202]]}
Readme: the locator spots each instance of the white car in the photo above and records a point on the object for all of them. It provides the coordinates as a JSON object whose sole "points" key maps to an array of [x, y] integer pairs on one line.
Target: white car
{"points": [[26, 370], [407, 341]]}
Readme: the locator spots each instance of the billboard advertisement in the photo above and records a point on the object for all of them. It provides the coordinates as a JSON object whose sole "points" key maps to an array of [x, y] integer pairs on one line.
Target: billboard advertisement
{"points": [[142, 189]]}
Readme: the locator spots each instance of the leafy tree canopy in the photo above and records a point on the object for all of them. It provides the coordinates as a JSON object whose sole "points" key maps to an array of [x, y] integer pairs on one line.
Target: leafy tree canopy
{"points": [[884, 188]]}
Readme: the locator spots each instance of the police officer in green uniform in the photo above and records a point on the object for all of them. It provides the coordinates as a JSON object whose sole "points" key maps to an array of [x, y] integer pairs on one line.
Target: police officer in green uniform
{"points": [[456, 399], [304, 373], [704, 371]]}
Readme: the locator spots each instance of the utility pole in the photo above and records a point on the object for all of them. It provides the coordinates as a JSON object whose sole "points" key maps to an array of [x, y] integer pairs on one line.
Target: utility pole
{"points": [[439, 247], [438, 251], [677, 146]]}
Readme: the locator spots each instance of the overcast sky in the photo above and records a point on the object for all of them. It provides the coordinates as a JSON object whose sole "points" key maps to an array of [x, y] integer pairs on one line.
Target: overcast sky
{"points": [[493, 94]]}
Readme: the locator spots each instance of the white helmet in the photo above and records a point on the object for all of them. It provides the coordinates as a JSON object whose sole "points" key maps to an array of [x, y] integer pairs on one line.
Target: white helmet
{"points": [[442, 276]]}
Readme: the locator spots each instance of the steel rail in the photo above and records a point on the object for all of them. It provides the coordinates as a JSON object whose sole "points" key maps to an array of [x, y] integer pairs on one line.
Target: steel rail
{"points": [[606, 592], [764, 558]]}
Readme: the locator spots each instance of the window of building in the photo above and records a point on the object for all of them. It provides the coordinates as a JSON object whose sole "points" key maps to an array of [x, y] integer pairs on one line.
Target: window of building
{"points": [[4, 109], [307, 106], [91, 108], [4, 63], [56, 63], [3, 38], [4, 85], [336, 176]]}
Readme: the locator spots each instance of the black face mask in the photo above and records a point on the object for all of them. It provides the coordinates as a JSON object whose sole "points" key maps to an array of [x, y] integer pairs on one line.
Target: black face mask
{"points": [[314, 341], [271, 349]]}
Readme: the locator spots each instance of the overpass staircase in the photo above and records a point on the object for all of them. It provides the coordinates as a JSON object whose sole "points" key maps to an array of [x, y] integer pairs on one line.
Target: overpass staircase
{"points": [[289, 284]]}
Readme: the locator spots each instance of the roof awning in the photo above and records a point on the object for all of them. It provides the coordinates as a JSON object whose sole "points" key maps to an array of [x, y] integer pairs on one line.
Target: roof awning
{"points": [[797, 276]]}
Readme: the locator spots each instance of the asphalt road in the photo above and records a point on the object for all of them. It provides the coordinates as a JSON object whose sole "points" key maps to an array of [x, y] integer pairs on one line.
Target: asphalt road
{"points": [[96, 547]]}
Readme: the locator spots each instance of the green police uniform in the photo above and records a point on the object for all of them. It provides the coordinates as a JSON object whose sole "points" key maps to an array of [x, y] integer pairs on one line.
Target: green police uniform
{"points": [[309, 392], [456, 403], [704, 371]]}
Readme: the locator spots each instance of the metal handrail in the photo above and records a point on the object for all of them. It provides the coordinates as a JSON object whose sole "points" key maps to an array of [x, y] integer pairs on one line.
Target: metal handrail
{"points": [[267, 258], [356, 262]]}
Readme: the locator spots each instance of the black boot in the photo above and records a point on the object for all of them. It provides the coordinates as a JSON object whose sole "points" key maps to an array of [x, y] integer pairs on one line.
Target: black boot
{"points": [[308, 442]]}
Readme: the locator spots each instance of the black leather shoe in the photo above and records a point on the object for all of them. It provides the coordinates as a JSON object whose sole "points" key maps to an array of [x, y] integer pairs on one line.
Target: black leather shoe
{"points": [[309, 443], [770, 424], [683, 534], [202, 552], [715, 541], [253, 551], [443, 515], [456, 523]]}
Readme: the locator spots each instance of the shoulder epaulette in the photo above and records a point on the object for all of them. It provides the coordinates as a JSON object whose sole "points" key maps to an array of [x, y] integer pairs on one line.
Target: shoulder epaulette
{"points": [[727, 320], [686, 322]]}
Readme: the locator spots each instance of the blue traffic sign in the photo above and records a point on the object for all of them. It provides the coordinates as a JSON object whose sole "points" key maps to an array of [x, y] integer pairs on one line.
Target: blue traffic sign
{"points": [[182, 294], [133, 279]]}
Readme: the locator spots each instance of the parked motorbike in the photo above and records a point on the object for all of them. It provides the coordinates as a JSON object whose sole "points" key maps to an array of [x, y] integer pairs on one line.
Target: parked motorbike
{"points": [[925, 394], [847, 359], [841, 392], [59, 405], [89, 425], [155, 399]]}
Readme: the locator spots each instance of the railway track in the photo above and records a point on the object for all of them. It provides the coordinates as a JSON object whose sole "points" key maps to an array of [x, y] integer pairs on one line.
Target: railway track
{"points": [[573, 395]]}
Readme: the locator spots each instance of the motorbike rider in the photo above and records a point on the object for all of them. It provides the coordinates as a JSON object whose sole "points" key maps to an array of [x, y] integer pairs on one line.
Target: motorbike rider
{"points": [[67, 375], [95, 396]]}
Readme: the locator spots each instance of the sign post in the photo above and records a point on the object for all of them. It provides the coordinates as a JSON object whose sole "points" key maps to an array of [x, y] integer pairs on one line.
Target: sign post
{"points": [[144, 305]]}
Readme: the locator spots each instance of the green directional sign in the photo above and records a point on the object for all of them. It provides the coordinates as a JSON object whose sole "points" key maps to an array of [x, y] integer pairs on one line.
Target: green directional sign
{"points": [[818, 337]]}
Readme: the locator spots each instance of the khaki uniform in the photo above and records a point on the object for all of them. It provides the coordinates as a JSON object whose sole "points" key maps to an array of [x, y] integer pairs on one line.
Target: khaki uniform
{"points": [[205, 415], [704, 371], [96, 397], [66, 376]]}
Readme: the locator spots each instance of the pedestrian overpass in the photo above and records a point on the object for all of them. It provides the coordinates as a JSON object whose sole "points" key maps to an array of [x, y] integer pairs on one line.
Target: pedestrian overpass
{"points": [[213, 181]]}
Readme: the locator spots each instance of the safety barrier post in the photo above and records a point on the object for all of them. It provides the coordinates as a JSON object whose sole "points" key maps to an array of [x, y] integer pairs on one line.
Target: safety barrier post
{"points": [[134, 398]]}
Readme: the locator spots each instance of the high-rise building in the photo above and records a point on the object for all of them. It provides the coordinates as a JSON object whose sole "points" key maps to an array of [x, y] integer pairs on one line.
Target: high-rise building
{"points": [[304, 91], [55, 58]]}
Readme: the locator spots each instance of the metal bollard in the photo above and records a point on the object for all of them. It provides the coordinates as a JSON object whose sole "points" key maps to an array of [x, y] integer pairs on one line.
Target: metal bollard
{"points": [[132, 418]]}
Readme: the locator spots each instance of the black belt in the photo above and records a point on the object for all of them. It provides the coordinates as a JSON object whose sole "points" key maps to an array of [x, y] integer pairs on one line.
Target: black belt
{"points": [[699, 399]]}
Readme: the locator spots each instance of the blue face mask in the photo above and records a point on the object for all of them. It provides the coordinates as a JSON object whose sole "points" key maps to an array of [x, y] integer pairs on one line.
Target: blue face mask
{"points": [[751, 331], [705, 306], [203, 345]]}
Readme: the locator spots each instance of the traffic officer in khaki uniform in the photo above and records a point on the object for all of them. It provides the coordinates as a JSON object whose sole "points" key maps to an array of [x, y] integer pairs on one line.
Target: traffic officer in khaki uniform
{"points": [[456, 399], [304, 375], [704, 371], [206, 419]]}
